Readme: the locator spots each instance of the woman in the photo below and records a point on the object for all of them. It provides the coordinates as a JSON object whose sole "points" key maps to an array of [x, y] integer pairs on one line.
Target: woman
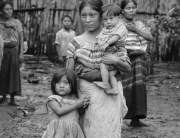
{"points": [[134, 82], [103, 116], [12, 34]]}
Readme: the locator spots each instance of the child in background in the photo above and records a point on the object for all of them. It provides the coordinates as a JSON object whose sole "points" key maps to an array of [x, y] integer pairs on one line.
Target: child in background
{"points": [[63, 37], [111, 40], [65, 105], [1, 50]]}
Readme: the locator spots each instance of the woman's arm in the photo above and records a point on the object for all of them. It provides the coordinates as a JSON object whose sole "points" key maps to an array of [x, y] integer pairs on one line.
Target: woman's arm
{"points": [[111, 59], [21, 41], [145, 34], [70, 63]]}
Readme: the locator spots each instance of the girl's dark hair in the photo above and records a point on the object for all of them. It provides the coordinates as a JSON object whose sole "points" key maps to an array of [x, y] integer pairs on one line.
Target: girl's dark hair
{"points": [[71, 77], [94, 4], [111, 9], [67, 16], [3, 4], [124, 3]]}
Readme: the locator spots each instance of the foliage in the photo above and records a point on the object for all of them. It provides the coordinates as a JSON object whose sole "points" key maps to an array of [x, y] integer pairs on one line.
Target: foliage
{"points": [[171, 22]]}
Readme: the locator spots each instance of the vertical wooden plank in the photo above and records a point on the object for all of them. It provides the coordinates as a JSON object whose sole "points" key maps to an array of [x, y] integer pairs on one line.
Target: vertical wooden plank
{"points": [[15, 4]]}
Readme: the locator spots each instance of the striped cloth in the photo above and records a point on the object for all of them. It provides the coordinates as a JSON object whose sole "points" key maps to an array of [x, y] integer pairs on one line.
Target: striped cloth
{"points": [[134, 83], [134, 87], [86, 53], [135, 41]]}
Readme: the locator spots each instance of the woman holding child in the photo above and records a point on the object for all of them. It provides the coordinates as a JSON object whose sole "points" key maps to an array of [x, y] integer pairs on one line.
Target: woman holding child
{"points": [[134, 82], [104, 114]]}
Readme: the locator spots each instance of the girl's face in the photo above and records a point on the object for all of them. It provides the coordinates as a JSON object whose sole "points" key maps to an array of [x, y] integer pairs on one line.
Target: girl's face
{"points": [[90, 18], [63, 87], [129, 11], [110, 21], [67, 23], [7, 11]]}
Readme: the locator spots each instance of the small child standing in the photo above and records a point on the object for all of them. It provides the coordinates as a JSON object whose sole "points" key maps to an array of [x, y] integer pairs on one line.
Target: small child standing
{"points": [[63, 37], [1, 50], [64, 104], [111, 40]]}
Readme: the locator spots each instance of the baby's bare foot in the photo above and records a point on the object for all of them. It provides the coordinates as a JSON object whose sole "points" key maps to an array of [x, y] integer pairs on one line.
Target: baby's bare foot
{"points": [[112, 92], [103, 85]]}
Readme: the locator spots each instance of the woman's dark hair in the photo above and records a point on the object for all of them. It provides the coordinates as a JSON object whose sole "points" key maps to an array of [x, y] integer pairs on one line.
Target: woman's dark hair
{"points": [[94, 4], [71, 77], [67, 16], [3, 4], [111, 9], [124, 3]]}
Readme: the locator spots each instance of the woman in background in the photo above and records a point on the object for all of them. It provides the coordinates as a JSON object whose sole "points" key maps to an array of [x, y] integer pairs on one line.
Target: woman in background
{"points": [[12, 34], [134, 85]]}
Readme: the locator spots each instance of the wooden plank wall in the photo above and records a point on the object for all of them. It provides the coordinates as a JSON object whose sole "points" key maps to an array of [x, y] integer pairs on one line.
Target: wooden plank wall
{"points": [[48, 20]]}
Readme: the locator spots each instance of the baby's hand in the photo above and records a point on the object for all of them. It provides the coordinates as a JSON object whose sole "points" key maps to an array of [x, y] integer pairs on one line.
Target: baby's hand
{"points": [[86, 101], [103, 47], [83, 102]]}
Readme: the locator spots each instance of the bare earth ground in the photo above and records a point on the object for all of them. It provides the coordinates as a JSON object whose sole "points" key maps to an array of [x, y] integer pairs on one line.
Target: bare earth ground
{"points": [[30, 119]]}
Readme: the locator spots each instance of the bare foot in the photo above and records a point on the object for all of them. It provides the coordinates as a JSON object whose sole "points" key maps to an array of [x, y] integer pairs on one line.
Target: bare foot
{"points": [[138, 123], [4, 102], [112, 92], [14, 103], [103, 85]]}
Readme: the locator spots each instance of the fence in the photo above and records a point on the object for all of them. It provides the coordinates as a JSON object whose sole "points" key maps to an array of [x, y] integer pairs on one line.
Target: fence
{"points": [[41, 36]]}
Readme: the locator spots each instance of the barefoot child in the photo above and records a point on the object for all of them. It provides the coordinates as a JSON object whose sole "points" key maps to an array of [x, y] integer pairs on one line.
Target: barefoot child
{"points": [[112, 40], [65, 105], [63, 37]]}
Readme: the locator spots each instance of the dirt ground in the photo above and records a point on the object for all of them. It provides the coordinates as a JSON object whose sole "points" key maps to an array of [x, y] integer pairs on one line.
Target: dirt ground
{"points": [[30, 119]]}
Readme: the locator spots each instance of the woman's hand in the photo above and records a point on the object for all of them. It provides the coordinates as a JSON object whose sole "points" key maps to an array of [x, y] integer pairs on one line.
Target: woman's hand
{"points": [[109, 59], [131, 27]]}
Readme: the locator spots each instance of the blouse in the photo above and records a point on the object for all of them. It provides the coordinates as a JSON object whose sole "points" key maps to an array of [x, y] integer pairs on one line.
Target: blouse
{"points": [[135, 41], [106, 34], [11, 29], [85, 53]]}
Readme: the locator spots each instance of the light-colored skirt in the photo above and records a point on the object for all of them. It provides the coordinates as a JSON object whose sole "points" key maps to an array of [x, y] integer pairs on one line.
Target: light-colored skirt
{"points": [[63, 129], [103, 118]]}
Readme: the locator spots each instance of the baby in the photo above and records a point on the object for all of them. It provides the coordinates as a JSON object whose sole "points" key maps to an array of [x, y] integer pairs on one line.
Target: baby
{"points": [[112, 40]]}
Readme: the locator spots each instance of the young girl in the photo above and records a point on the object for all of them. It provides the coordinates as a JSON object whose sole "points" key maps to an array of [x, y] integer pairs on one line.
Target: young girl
{"points": [[64, 104], [111, 40]]}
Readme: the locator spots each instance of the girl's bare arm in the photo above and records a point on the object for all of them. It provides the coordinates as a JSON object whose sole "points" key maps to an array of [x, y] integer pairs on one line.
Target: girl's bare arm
{"points": [[60, 111]]}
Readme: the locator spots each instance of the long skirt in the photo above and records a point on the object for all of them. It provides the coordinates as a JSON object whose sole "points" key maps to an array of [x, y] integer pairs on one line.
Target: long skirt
{"points": [[134, 87], [103, 117], [10, 82]]}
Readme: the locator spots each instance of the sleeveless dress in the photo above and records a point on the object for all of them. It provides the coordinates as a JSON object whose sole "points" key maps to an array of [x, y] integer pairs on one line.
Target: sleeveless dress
{"points": [[103, 117], [65, 126]]}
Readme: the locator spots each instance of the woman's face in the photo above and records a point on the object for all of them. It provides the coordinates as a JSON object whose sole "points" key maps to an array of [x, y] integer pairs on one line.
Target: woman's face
{"points": [[129, 11], [7, 11], [90, 18]]}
